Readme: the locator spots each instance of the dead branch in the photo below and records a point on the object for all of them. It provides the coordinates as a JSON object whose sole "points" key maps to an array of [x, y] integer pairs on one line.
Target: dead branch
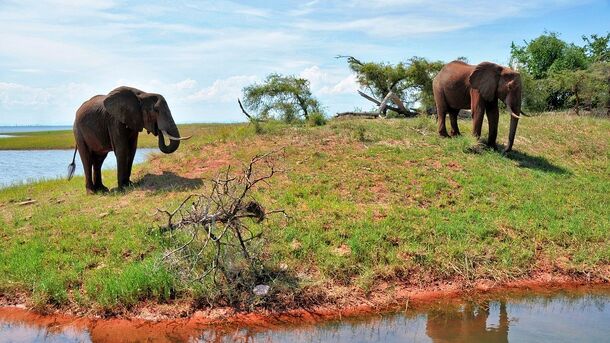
{"points": [[370, 98], [250, 118], [350, 59], [384, 106], [243, 110], [210, 230]]}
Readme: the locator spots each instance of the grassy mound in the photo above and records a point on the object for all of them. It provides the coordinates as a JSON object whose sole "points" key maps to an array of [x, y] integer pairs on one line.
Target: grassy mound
{"points": [[371, 201]]}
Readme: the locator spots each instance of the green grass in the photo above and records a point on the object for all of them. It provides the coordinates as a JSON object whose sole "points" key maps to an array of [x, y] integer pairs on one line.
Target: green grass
{"points": [[371, 201]]}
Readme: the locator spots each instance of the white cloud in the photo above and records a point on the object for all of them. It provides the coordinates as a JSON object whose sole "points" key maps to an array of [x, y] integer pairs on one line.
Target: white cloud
{"points": [[400, 18], [185, 84], [14, 95], [329, 82], [386, 26], [225, 90], [346, 86]]}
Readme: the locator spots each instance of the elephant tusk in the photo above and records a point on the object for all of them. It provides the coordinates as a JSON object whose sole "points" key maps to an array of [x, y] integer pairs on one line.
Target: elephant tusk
{"points": [[514, 115], [175, 138]]}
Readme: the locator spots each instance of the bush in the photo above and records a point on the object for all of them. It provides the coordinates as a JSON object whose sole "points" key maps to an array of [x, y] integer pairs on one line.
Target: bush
{"points": [[317, 119]]}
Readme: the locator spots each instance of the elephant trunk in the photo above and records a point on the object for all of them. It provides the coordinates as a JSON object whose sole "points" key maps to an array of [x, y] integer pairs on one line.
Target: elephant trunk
{"points": [[511, 134], [173, 144], [168, 128], [514, 107]]}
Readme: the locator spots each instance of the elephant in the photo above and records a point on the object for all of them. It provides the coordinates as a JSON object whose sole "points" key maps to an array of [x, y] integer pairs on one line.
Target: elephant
{"points": [[112, 122], [477, 87]]}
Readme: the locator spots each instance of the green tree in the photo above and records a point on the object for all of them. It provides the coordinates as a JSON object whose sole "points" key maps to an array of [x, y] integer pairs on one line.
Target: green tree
{"points": [[572, 58], [559, 75], [287, 97], [380, 78], [538, 55], [597, 47], [598, 90], [421, 73], [411, 81]]}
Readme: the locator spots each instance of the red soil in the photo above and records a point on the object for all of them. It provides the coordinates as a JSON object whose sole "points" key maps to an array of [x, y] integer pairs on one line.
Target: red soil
{"points": [[219, 322]]}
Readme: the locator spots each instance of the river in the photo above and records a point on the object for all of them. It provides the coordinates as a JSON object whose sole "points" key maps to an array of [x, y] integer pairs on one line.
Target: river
{"points": [[25, 166], [574, 316]]}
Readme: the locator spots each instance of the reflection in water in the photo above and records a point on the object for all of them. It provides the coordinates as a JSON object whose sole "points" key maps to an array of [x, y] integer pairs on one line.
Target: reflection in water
{"points": [[565, 317], [467, 324]]}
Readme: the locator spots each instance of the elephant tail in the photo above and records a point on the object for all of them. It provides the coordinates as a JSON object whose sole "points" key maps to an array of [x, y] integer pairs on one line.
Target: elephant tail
{"points": [[72, 166]]}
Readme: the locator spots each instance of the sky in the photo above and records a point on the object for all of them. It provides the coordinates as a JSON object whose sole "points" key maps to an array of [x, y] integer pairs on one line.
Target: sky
{"points": [[55, 54]]}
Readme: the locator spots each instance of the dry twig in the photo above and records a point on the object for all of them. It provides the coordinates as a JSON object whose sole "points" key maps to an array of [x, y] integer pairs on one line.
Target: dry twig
{"points": [[210, 230]]}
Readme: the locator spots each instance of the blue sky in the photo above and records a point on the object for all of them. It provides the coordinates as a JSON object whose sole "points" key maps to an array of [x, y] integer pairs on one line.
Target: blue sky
{"points": [[55, 54]]}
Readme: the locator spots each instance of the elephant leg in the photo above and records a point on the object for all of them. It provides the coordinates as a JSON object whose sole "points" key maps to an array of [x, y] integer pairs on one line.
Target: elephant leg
{"points": [[85, 157], [133, 146], [441, 111], [493, 115], [453, 117], [478, 110], [98, 160]]}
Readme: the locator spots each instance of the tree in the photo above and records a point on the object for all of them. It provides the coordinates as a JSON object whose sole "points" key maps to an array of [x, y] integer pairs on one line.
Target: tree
{"points": [[410, 82], [558, 75], [571, 84], [286, 97], [421, 73], [380, 78], [538, 55], [597, 47], [572, 58]]}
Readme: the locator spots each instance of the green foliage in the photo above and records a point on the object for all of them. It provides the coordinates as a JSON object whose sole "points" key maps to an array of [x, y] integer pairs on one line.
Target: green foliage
{"points": [[597, 47], [572, 58], [538, 55], [287, 97], [421, 73], [317, 119], [535, 93], [411, 80], [380, 78], [557, 75]]}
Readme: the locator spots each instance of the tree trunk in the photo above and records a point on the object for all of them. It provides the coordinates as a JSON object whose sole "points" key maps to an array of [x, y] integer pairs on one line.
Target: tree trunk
{"points": [[369, 115], [383, 106]]}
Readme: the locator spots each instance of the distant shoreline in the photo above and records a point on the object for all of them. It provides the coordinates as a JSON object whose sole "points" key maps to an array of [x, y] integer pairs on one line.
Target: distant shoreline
{"points": [[33, 128]]}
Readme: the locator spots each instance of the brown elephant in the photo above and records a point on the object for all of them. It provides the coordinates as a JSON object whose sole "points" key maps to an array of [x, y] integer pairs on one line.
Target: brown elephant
{"points": [[463, 86], [112, 122]]}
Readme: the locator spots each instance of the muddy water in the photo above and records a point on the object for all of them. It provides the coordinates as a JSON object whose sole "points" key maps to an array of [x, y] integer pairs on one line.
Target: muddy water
{"points": [[574, 316]]}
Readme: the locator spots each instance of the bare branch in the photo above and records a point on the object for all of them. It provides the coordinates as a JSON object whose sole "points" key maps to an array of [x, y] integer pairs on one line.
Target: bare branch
{"points": [[221, 218]]}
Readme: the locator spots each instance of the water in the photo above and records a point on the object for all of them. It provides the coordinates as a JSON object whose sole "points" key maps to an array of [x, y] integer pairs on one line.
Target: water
{"points": [[24, 166], [560, 317], [38, 128]]}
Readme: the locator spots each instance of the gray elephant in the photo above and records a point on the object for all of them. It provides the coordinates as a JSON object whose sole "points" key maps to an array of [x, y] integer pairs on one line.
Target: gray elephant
{"points": [[463, 86], [112, 122]]}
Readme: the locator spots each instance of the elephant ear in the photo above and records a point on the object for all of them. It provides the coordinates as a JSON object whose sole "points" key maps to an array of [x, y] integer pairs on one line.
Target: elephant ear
{"points": [[123, 104], [485, 79]]}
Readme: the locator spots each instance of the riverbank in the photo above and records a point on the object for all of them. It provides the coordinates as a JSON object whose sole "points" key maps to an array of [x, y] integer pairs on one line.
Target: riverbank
{"points": [[64, 139], [572, 300], [376, 207]]}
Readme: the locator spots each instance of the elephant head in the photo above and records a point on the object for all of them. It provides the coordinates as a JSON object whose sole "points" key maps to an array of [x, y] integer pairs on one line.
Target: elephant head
{"points": [[496, 82], [140, 110]]}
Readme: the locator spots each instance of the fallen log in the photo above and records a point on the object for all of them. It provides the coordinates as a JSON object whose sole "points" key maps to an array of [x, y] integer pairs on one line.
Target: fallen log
{"points": [[383, 106], [370, 115]]}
